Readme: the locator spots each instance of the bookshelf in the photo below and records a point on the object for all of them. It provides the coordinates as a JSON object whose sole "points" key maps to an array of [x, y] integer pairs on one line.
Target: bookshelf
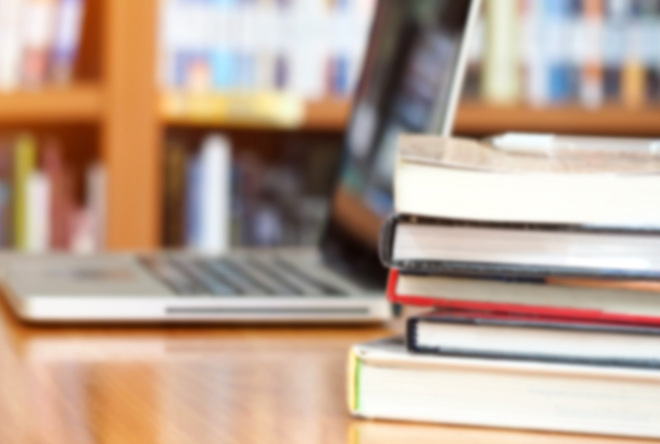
{"points": [[107, 112], [116, 92]]}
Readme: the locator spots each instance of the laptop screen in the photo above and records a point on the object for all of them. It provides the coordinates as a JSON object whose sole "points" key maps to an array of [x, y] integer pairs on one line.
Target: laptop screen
{"points": [[407, 80]]}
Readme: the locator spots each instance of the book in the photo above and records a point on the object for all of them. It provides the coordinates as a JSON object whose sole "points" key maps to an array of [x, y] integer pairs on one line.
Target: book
{"points": [[62, 203], [467, 179], [452, 332], [11, 43], [566, 299], [6, 192], [96, 203], [38, 202], [38, 31], [215, 195], [387, 432], [25, 154], [591, 79], [66, 40], [501, 79], [385, 381], [465, 247], [176, 160], [193, 203]]}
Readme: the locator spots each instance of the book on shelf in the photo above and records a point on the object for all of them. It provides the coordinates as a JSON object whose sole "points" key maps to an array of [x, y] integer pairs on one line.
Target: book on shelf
{"points": [[254, 202], [215, 161], [39, 41], [501, 82], [25, 153], [175, 175], [38, 207], [309, 48], [386, 381], [452, 332], [587, 51]]}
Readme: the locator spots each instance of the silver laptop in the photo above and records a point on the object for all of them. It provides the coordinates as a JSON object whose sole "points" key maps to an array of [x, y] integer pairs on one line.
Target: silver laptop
{"points": [[411, 82]]}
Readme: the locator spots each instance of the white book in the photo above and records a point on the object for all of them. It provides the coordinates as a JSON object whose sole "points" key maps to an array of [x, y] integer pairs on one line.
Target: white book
{"points": [[11, 43], [215, 175], [387, 382], [66, 39], [501, 80], [96, 182], [38, 193], [535, 58], [38, 27], [463, 179]]}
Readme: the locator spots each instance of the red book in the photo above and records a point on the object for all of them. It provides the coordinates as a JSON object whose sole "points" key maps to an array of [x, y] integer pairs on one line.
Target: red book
{"points": [[621, 305], [62, 195]]}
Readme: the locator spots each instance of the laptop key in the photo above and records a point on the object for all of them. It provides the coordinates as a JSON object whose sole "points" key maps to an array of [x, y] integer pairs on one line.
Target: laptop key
{"points": [[204, 278], [234, 276], [327, 288], [254, 272], [302, 287], [173, 277]]}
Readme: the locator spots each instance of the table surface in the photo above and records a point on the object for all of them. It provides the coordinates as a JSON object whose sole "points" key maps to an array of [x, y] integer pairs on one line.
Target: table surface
{"points": [[198, 385]]}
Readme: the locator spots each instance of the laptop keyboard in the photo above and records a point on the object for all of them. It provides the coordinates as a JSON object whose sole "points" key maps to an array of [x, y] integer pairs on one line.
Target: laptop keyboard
{"points": [[237, 276]]}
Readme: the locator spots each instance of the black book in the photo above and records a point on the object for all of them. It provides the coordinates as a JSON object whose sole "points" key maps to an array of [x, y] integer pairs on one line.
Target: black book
{"points": [[454, 332]]}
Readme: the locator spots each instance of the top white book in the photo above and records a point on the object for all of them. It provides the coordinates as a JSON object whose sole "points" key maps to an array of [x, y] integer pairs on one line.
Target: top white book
{"points": [[475, 180]]}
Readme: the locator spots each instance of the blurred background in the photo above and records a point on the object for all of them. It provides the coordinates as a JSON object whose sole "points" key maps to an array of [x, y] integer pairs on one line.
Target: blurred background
{"points": [[110, 110]]}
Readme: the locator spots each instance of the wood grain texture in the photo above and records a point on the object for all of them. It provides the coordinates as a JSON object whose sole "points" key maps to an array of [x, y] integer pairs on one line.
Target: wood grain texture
{"points": [[198, 385], [476, 118], [76, 103], [131, 145]]}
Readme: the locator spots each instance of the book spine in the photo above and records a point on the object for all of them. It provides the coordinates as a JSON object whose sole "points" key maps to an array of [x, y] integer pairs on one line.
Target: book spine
{"points": [[176, 160], [215, 195], [96, 203], [614, 48], [62, 195], [38, 196], [193, 203], [387, 234], [591, 80], [5, 196], [66, 40], [11, 43], [39, 32], [24, 164], [536, 58], [581, 314], [501, 81], [633, 75]]}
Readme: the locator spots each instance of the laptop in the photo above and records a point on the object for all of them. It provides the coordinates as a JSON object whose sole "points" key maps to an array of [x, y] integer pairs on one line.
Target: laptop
{"points": [[411, 81]]}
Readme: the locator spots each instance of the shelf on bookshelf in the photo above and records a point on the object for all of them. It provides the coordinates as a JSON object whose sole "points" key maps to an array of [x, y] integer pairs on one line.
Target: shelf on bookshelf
{"points": [[473, 118], [479, 118], [52, 104]]}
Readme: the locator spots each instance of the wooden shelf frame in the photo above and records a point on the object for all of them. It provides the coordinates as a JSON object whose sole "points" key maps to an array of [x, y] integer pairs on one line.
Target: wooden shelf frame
{"points": [[482, 119], [475, 118], [78, 102]]}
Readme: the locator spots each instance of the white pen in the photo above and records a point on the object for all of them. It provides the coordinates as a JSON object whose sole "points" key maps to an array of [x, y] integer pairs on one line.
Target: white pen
{"points": [[550, 144]]}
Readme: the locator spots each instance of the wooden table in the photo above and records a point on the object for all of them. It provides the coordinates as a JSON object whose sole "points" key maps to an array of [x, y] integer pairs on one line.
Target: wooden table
{"points": [[197, 385]]}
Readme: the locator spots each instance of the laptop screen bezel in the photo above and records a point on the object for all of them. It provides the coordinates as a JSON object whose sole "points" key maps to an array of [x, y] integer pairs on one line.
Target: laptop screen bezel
{"points": [[340, 250]]}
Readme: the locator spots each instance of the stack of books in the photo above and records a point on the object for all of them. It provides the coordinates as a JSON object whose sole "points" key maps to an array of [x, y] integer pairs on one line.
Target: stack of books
{"points": [[542, 276]]}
